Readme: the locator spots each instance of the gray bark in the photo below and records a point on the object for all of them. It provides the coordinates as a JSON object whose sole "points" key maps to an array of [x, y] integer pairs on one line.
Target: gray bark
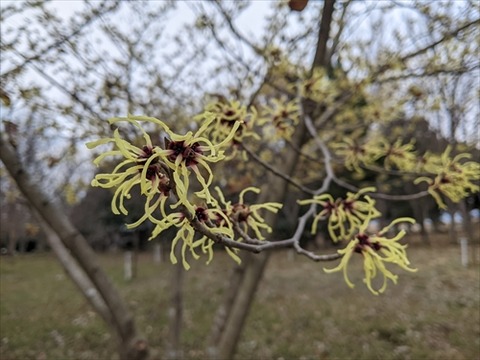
{"points": [[75, 272], [131, 346]]}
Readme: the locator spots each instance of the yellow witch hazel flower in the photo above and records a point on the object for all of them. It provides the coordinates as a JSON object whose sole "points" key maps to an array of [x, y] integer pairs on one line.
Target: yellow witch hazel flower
{"points": [[344, 216], [186, 233], [454, 179], [141, 166], [377, 251], [281, 118], [217, 223], [248, 216]]}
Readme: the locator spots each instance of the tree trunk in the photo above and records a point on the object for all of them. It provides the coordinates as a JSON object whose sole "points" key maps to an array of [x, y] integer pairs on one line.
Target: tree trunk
{"points": [[419, 211], [452, 231], [128, 265], [131, 346], [175, 311], [255, 266], [74, 271], [230, 317], [233, 281], [467, 221], [468, 229], [157, 253]]}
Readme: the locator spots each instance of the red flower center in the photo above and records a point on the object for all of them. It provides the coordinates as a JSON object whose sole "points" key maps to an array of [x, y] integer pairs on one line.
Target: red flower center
{"points": [[189, 153]]}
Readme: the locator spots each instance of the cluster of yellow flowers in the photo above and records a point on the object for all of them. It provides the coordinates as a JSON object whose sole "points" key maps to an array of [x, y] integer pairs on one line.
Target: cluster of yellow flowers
{"points": [[344, 216], [348, 219], [245, 215], [358, 154], [397, 155], [454, 178], [277, 120], [319, 87], [164, 177]]}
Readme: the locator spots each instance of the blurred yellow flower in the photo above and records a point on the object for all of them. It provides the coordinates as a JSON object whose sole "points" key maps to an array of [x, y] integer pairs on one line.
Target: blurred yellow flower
{"points": [[354, 154], [280, 119], [454, 178], [319, 87], [396, 155]]}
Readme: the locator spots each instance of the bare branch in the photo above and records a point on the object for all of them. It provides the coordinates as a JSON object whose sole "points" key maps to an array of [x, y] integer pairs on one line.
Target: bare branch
{"points": [[297, 236], [439, 41], [250, 244], [257, 246], [341, 26], [432, 45], [458, 71], [377, 195], [277, 172], [95, 15], [233, 29]]}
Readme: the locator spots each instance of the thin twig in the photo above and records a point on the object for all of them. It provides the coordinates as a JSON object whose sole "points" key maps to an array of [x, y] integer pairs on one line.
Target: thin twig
{"points": [[276, 172], [423, 50], [233, 29], [297, 236], [376, 195], [458, 71], [63, 39], [341, 26]]}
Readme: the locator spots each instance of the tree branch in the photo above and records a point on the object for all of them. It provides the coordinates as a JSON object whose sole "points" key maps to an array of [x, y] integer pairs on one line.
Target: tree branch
{"points": [[321, 54], [442, 39], [277, 172], [233, 29], [423, 50], [96, 14], [341, 26], [132, 347]]}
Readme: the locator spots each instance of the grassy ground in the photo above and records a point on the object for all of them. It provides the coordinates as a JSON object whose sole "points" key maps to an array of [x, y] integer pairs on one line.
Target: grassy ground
{"points": [[299, 313]]}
